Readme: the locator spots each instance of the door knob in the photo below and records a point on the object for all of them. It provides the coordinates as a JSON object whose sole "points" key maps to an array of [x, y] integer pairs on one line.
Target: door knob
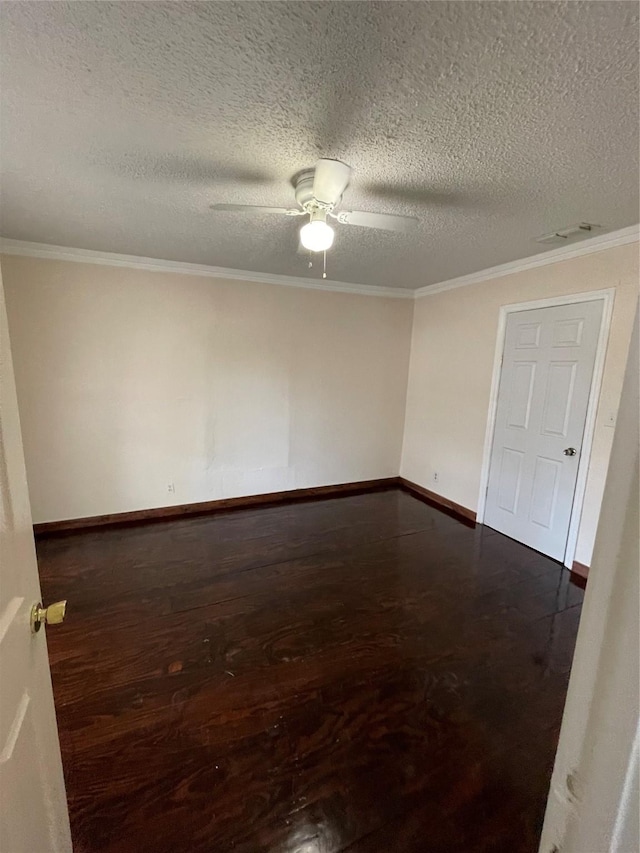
{"points": [[569, 451], [51, 615]]}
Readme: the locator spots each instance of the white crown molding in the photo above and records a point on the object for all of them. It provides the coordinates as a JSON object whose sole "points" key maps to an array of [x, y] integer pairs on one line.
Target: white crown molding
{"points": [[89, 256], [563, 253]]}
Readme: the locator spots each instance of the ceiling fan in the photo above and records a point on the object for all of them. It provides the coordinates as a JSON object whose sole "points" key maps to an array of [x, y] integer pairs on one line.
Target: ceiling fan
{"points": [[318, 192]]}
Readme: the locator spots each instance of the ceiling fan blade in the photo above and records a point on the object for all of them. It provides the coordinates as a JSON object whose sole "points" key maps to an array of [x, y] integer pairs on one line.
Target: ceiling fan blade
{"points": [[256, 208], [330, 180], [385, 221]]}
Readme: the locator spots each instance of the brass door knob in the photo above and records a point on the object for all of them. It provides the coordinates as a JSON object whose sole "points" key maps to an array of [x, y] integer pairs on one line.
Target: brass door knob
{"points": [[51, 615]]}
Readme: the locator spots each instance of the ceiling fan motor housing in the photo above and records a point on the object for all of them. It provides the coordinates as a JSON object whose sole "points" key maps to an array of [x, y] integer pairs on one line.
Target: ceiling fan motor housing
{"points": [[304, 193]]}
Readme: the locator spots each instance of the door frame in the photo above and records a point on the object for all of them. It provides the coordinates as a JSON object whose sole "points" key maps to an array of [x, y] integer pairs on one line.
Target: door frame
{"points": [[607, 296]]}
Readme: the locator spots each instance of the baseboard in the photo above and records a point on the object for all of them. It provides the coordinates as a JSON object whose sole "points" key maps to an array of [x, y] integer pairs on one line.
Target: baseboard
{"points": [[468, 516], [119, 519], [580, 569]]}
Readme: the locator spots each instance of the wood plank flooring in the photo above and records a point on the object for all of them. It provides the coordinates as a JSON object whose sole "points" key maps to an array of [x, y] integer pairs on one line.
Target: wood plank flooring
{"points": [[361, 674]]}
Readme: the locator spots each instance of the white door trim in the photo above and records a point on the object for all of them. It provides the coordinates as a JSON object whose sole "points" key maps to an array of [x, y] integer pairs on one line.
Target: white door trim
{"points": [[607, 296]]}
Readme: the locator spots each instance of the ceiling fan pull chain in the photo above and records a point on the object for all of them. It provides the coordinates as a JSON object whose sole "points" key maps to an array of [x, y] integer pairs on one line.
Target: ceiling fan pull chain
{"points": [[324, 270]]}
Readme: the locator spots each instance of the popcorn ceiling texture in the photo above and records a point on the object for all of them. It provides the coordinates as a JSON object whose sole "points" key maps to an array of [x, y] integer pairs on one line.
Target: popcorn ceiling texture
{"points": [[493, 122]]}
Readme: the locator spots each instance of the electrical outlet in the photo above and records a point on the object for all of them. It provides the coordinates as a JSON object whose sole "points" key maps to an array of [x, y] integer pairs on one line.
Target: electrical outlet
{"points": [[436, 476], [171, 488]]}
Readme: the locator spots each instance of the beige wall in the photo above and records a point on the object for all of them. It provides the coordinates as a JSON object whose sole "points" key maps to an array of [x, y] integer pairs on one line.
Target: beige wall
{"points": [[452, 352], [130, 380]]}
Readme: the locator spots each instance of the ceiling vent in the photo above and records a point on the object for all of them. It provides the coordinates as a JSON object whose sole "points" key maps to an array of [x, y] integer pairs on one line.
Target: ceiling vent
{"points": [[563, 235]]}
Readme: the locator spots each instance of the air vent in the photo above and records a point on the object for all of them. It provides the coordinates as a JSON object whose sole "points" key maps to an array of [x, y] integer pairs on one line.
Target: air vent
{"points": [[564, 235]]}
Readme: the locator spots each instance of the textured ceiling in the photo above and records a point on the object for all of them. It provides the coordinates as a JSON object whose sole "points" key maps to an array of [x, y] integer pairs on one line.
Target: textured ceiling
{"points": [[493, 122]]}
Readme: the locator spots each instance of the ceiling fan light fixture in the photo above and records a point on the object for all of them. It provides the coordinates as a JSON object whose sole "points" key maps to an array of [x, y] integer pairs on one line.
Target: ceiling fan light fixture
{"points": [[316, 235]]}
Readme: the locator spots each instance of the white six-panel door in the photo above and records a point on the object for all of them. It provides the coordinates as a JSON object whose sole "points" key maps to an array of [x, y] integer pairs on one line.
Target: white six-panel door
{"points": [[33, 807], [545, 381]]}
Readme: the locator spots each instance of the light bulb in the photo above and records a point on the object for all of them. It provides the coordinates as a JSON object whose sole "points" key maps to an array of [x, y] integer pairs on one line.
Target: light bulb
{"points": [[316, 236]]}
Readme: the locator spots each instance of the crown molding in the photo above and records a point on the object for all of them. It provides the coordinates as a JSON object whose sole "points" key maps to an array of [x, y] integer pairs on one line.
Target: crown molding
{"points": [[89, 256], [110, 259], [563, 253]]}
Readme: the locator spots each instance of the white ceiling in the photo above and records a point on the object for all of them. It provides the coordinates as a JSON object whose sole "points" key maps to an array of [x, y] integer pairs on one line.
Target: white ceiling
{"points": [[493, 122]]}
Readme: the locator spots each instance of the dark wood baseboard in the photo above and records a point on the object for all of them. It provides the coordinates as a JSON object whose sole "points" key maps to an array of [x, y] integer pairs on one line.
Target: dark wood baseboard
{"points": [[444, 504], [162, 513], [580, 569]]}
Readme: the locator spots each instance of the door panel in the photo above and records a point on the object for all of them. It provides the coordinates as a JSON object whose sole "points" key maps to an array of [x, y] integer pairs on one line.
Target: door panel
{"points": [[528, 335], [524, 374], [558, 398], [543, 395], [510, 479], [567, 333], [33, 817], [546, 477]]}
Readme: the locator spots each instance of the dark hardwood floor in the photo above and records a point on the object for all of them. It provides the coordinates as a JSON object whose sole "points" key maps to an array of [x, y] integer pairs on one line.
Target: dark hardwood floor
{"points": [[361, 674]]}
